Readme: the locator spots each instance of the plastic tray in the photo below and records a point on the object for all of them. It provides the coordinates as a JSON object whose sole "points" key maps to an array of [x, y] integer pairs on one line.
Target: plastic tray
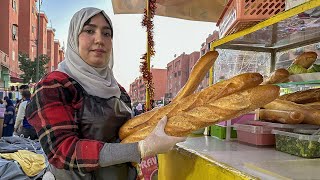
{"points": [[255, 129], [283, 126], [256, 135], [241, 14], [303, 145], [305, 77]]}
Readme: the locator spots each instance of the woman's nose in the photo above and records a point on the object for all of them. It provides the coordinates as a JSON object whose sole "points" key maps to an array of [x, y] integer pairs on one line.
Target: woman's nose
{"points": [[99, 38]]}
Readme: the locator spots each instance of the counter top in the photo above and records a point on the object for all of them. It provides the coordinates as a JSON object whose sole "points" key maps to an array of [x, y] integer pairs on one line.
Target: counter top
{"points": [[261, 162]]}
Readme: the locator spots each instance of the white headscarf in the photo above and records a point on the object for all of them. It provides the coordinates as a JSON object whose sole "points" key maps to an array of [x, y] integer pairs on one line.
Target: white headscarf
{"points": [[96, 81]]}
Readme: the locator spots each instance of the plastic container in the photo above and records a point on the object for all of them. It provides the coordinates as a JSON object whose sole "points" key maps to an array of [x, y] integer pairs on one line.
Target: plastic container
{"points": [[305, 77], [221, 132], [255, 134], [285, 127], [303, 145], [241, 14]]}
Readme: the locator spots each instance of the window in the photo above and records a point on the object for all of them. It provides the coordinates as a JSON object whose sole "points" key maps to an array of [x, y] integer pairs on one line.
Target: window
{"points": [[14, 32], [14, 5], [179, 73], [209, 46]]}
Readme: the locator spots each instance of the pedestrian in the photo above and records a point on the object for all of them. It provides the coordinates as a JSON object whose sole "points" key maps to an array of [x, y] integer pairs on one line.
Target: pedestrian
{"points": [[9, 118], [77, 110], [21, 89], [22, 126], [139, 108]]}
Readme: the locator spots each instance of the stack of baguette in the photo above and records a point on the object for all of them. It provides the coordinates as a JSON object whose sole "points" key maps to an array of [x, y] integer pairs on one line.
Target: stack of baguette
{"points": [[294, 108], [303, 61], [192, 111]]}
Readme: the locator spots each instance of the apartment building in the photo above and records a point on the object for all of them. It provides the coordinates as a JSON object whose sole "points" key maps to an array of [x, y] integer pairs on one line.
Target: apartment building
{"points": [[28, 28], [50, 49], [9, 44], [137, 90]]}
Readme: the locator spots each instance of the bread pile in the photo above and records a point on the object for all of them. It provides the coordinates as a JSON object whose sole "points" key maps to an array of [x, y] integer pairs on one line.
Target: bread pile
{"points": [[299, 65], [294, 108], [192, 111]]}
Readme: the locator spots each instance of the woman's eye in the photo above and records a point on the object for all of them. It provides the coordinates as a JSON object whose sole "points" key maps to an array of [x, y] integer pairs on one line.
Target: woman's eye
{"points": [[107, 34], [89, 31]]}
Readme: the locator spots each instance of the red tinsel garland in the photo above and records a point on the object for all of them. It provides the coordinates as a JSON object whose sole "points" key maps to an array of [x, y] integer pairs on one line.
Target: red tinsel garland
{"points": [[146, 74]]}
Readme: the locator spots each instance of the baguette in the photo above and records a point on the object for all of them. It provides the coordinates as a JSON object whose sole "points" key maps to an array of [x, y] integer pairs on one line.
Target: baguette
{"points": [[218, 90], [302, 97], [311, 115], [278, 76], [214, 111], [315, 105], [286, 117], [197, 74], [306, 59]]}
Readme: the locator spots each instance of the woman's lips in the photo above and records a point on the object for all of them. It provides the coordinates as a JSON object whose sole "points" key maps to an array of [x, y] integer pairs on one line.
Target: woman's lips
{"points": [[99, 52]]}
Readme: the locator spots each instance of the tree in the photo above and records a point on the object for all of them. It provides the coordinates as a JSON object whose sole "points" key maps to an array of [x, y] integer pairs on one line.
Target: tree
{"points": [[29, 68]]}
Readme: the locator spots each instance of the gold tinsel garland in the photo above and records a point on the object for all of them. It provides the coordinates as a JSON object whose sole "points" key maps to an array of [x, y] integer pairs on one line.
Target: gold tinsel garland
{"points": [[146, 74]]}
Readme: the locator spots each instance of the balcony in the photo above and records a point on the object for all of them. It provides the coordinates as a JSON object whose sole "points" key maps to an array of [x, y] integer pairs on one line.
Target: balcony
{"points": [[4, 59]]}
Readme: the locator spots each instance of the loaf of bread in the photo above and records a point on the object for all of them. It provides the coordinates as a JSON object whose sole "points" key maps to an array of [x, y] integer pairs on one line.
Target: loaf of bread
{"points": [[278, 76], [315, 105], [311, 115], [302, 97], [286, 117], [212, 112], [216, 91], [197, 74], [306, 59]]}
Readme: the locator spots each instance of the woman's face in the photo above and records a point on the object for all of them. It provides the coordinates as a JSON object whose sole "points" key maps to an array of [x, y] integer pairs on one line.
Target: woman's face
{"points": [[95, 42]]}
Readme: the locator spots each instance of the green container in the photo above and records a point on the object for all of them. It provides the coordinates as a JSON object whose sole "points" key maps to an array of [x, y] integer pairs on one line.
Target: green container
{"points": [[221, 131], [303, 145]]}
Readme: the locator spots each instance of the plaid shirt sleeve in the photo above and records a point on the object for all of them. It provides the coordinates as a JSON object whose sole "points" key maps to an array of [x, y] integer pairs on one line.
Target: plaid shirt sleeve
{"points": [[51, 112]]}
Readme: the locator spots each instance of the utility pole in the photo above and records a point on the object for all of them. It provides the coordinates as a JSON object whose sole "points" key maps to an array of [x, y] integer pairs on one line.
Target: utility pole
{"points": [[38, 39]]}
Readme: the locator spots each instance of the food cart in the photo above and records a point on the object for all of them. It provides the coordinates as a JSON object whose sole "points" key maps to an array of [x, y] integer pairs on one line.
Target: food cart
{"points": [[211, 158]]}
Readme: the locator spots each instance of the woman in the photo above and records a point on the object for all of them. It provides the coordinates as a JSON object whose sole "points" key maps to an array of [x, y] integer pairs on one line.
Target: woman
{"points": [[77, 110], [9, 118]]}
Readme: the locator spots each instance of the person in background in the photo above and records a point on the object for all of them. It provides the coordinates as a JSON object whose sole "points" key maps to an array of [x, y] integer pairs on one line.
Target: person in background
{"points": [[139, 109], [21, 125], [21, 89], [2, 105], [78, 109], [9, 118]]}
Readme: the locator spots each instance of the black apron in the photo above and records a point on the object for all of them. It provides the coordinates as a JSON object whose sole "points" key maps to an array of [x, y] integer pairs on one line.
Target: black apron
{"points": [[100, 119]]}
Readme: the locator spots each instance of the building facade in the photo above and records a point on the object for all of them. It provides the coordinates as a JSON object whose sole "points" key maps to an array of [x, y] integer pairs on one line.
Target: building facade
{"points": [[137, 90], [50, 49], [9, 44], [177, 74], [43, 34], [28, 28], [56, 54]]}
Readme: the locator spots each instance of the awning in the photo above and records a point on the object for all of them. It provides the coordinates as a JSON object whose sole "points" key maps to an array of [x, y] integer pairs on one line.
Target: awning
{"points": [[196, 10]]}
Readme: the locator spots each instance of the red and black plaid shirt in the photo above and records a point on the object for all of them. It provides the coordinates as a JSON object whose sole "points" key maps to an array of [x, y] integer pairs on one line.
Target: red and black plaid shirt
{"points": [[51, 112]]}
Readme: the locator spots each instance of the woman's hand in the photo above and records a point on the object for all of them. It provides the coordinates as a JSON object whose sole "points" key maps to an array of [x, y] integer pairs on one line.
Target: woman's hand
{"points": [[158, 141]]}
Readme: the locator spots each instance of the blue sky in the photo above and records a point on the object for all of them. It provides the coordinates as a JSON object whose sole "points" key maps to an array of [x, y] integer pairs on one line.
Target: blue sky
{"points": [[172, 36]]}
